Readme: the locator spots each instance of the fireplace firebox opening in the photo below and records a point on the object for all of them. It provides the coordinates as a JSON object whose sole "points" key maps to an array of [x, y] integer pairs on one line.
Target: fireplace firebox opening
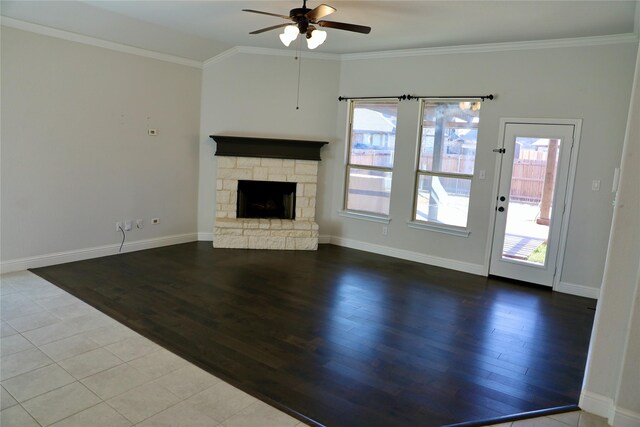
{"points": [[266, 199]]}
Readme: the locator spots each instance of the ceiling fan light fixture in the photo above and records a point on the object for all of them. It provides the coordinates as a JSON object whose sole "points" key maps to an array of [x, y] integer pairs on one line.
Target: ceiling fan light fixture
{"points": [[317, 38], [290, 34]]}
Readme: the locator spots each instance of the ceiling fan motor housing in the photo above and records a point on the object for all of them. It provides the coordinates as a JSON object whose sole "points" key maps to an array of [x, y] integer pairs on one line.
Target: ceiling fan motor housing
{"points": [[298, 15]]}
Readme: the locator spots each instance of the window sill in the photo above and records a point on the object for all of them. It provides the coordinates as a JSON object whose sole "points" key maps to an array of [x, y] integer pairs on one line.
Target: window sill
{"points": [[365, 217], [445, 229]]}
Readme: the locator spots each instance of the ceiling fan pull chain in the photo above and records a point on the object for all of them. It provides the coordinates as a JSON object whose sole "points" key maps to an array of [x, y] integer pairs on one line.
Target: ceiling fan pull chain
{"points": [[299, 58]]}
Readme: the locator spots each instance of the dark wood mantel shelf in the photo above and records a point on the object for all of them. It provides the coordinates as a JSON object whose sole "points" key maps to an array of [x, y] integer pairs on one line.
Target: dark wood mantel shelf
{"points": [[241, 146]]}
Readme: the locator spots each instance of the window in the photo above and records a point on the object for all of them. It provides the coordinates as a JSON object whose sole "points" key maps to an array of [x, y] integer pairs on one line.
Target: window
{"points": [[372, 140], [449, 135]]}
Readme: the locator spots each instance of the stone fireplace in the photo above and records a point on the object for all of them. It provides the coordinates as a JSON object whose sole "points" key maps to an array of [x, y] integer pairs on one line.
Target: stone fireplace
{"points": [[266, 193]]}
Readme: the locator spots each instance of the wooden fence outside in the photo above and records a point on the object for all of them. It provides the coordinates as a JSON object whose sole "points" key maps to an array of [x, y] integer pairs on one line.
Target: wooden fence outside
{"points": [[527, 180]]}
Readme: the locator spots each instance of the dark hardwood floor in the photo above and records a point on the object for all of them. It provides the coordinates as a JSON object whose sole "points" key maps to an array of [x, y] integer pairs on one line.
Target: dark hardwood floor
{"points": [[348, 338]]}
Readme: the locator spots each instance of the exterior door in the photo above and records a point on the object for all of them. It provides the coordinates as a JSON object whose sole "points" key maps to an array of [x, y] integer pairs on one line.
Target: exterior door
{"points": [[531, 201]]}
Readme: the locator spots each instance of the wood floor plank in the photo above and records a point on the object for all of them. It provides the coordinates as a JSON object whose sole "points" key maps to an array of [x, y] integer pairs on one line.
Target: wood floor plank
{"points": [[348, 338]]}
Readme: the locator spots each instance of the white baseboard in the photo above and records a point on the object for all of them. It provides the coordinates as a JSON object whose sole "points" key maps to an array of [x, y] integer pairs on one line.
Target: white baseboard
{"points": [[625, 418], [205, 237], [323, 240], [604, 407], [95, 252], [568, 288], [408, 255], [596, 404], [578, 290]]}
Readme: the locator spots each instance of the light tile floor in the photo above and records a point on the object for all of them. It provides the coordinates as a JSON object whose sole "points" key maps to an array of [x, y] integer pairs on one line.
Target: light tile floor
{"points": [[64, 363], [568, 419]]}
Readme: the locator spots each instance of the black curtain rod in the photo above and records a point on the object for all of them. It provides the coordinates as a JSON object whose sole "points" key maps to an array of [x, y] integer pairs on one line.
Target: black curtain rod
{"points": [[481, 97], [403, 97], [346, 98]]}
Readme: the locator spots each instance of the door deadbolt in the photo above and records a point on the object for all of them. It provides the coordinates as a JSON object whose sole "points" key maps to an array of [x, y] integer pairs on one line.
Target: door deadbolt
{"points": [[500, 209], [502, 198]]}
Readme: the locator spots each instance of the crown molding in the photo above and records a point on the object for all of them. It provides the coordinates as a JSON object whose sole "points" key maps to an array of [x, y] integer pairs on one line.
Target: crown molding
{"points": [[496, 47], [221, 56], [450, 50], [284, 52], [269, 52], [92, 41]]}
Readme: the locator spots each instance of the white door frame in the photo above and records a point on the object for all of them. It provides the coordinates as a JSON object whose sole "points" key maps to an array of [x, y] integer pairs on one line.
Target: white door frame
{"points": [[573, 164]]}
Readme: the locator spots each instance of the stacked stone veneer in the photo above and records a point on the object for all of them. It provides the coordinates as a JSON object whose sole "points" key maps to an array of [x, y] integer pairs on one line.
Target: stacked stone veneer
{"points": [[254, 233]]}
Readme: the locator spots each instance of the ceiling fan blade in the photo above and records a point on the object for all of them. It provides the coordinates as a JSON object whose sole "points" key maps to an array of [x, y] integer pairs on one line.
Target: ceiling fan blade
{"points": [[319, 12], [268, 13], [274, 27], [344, 26]]}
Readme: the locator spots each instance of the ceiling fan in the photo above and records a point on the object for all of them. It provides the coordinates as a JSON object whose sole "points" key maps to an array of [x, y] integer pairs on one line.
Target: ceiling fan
{"points": [[304, 21]]}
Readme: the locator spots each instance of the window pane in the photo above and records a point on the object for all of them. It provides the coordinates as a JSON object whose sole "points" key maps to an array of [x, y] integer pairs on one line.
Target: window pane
{"points": [[449, 137], [373, 134], [443, 200], [369, 191]]}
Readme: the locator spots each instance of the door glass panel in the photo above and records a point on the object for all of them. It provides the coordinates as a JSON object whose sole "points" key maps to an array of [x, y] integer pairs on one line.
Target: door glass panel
{"points": [[533, 179]]}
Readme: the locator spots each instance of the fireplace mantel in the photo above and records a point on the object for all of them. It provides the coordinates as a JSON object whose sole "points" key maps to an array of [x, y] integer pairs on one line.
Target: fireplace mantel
{"points": [[240, 146]]}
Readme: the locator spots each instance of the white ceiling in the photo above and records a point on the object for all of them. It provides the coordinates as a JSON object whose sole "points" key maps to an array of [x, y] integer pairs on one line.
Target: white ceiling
{"points": [[199, 30]]}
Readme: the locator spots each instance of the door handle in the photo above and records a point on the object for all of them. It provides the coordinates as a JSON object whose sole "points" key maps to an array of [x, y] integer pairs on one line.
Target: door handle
{"points": [[502, 198], [500, 209]]}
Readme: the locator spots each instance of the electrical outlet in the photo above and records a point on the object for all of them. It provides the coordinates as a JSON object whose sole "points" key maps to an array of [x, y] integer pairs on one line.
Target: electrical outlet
{"points": [[128, 225], [139, 224], [155, 220], [384, 230], [118, 226]]}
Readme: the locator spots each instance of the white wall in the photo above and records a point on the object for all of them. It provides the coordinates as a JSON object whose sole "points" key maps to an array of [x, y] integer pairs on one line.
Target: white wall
{"points": [[612, 383], [255, 95], [590, 83], [76, 156]]}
